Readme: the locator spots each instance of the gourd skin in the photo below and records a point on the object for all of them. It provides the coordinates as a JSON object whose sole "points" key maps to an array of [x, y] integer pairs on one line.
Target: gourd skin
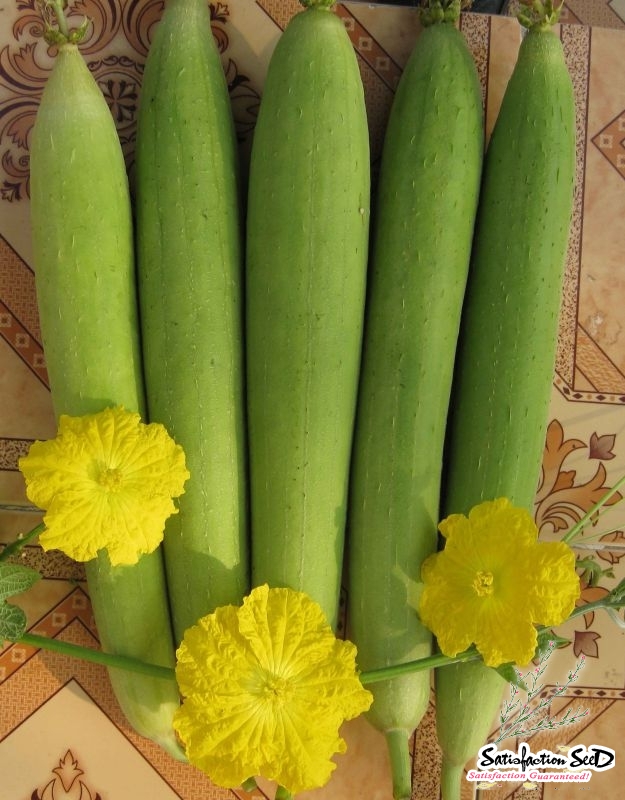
{"points": [[84, 272], [506, 355], [510, 321], [421, 249], [190, 263], [307, 240]]}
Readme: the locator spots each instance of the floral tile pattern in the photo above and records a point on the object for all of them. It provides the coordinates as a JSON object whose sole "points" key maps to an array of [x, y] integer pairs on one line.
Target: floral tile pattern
{"points": [[60, 727]]}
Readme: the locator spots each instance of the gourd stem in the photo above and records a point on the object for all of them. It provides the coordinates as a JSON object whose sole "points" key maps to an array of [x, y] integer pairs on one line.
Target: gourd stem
{"points": [[539, 16], [401, 765], [61, 19], [435, 12], [61, 35], [317, 3], [451, 780]]}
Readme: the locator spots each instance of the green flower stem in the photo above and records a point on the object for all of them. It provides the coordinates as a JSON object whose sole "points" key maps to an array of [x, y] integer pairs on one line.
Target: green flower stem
{"points": [[575, 531], [370, 676], [591, 538], [97, 656], [587, 608], [168, 673], [16, 546], [430, 662]]}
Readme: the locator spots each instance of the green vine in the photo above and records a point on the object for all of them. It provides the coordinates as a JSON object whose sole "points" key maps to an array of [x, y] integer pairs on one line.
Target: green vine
{"points": [[16, 578]]}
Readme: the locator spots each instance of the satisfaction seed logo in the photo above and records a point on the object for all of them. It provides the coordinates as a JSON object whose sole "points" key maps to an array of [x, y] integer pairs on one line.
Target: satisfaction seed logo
{"points": [[525, 713], [576, 766]]}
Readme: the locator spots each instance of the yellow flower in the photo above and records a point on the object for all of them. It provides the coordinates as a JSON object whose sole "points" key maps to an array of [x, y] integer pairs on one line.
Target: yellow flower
{"points": [[266, 687], [493, 581], [106, 481]]}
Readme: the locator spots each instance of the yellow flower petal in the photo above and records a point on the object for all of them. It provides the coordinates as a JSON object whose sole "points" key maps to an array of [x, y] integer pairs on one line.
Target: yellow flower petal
{"points": [[494, 582], [558, 587], [106, 481], [506, 634], [266, 687]]}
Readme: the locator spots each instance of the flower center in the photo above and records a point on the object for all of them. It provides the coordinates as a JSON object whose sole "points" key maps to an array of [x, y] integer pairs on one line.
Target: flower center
{"points": [[110, 478], [483, 584], [275, 689]]}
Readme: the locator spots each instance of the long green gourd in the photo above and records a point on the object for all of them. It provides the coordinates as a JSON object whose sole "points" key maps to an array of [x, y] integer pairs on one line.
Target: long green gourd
{"points": [[84, 268], [508, 337], [422, 231], [307, 237], [190, 273]]}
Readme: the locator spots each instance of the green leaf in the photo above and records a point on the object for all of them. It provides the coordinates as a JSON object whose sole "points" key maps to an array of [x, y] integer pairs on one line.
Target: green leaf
{"points": [[15, 579], [12, 623], [592, 571]]}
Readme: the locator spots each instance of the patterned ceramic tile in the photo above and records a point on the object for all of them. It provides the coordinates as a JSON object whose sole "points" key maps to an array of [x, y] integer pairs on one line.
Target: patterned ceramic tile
{"points": [[61, 732]]}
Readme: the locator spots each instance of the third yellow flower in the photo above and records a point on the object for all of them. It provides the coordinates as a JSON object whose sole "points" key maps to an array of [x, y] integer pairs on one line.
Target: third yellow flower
{"points": [[494, 582]]}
